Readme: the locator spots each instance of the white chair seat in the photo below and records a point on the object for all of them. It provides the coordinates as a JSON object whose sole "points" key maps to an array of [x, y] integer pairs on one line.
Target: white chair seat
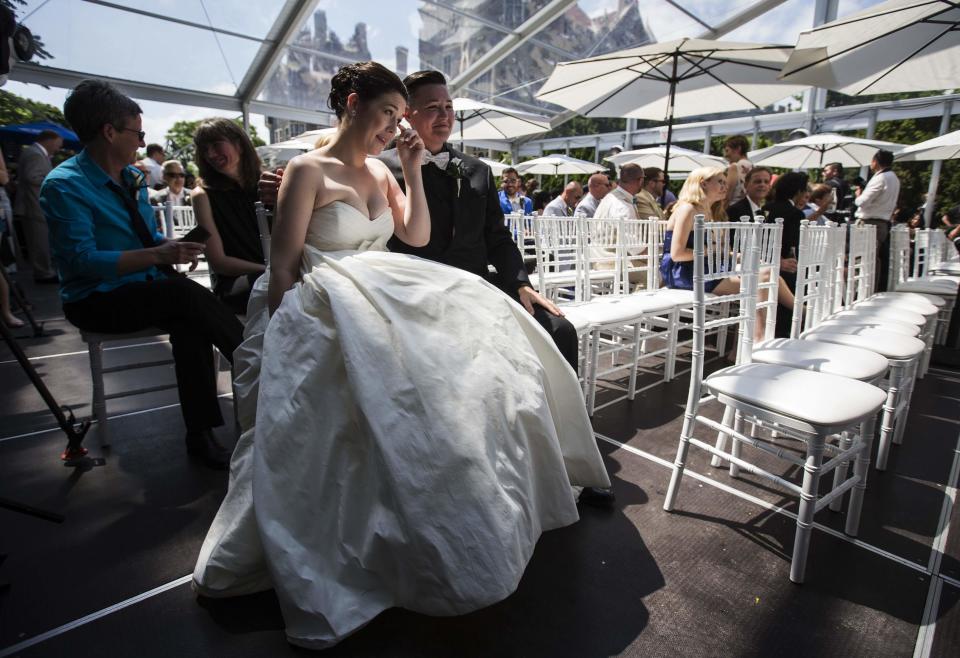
{"points": [[842, 324], [928, 286], [948, 269], [922, 307], [611, 310], [678, 295], [882, 314], [933, 299], [555, 278], [827, 400], [851, 362], [886, 343]]}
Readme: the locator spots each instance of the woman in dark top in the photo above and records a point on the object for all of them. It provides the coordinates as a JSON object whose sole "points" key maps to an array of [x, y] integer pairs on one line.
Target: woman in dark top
{"points": [[223, 203], [790, 189]]}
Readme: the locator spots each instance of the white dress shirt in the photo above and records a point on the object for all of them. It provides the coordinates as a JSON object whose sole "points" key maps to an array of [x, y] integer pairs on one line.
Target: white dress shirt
{"points": [[879, 198], [617, 204], [154, 172]]}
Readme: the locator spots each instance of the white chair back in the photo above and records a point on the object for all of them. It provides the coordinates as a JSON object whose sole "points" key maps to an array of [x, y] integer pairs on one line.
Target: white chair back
{"points": [[638, 254], [770, 238], [600, 256], [559, 267], [182, 220], [860, 263], [899, 270], [815, 276]]}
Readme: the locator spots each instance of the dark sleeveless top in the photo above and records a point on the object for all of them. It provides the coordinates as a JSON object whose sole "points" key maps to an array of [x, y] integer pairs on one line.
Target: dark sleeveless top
{"points": [[680, 274], [235, 217]]}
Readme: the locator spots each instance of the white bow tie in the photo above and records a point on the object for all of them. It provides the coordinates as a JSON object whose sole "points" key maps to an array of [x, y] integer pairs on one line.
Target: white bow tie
{"points": [[441, 160]]}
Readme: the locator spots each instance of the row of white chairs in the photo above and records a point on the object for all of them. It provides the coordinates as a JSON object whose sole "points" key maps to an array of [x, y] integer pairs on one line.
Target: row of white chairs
{"points": [[851, 354]]}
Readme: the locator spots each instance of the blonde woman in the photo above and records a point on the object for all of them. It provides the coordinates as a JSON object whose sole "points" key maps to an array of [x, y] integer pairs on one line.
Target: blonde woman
{"points": [[704, 192]]}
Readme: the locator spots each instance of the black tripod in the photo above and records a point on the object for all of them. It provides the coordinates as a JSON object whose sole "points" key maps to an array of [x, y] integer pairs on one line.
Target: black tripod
{"points": [[21, 300]]}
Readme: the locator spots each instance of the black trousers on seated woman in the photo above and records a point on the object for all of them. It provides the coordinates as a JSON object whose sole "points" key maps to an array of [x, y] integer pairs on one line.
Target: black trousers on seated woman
{"points": [[196, 322]]}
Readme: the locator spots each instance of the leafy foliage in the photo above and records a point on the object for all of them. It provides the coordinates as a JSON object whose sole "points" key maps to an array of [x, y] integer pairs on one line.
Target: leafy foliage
{"points": [[16, 109]]}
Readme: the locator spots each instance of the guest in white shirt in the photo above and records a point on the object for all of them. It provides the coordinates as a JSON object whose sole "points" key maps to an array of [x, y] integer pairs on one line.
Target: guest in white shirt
{"points": [[564, 205], [620, 202], [155, 156], [597, 187], [175, 191], [876, 204], [735, 151]]}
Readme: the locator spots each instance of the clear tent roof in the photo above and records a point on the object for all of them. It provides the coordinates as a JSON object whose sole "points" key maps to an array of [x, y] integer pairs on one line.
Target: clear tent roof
{"points": [[277, 56]]}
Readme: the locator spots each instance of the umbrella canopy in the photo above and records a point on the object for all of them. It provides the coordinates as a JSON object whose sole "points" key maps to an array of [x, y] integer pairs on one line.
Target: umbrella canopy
{"points": [[479, 121], [815, 151], [553, 165], [496, 167], [686, 77], [26, 133], [944, 147], [681, 159], [899, 45], [280, 153]]}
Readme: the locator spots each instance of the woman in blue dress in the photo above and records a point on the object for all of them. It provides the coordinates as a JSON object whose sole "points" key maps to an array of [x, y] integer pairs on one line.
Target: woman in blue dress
{"points": [[704, 193]]}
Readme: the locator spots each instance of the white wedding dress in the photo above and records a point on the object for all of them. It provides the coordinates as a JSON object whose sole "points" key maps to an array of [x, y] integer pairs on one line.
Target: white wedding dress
{"points": [[408, 432]]}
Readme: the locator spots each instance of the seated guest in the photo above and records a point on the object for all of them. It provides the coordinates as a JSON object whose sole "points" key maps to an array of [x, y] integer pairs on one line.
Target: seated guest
{"points": [[155, 156], [620, 203], [819, 199], [648, 198], [512, 200], [530, 187], [790, 190], [566, 202], [189, 182], [223, 203], [757, 187], [833, 176], [668, 196], [540, 200], [597, 187], [704, 192], [175, 191], [116, 274]]}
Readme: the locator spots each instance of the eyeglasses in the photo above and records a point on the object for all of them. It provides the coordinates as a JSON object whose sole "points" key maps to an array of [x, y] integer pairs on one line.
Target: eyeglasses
{"points": [[511, 180], [172, 175], [140, 133]]}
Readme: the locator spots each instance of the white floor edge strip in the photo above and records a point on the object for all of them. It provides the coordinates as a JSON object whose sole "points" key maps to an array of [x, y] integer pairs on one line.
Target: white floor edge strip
{"points": [[928, 623], [762, 503], [105, 349], [37, 639], [126, 415]]}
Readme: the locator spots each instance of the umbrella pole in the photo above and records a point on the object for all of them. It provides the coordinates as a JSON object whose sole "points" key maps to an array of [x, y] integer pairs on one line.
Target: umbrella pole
{"points": [[461, 132], [666, 154]]}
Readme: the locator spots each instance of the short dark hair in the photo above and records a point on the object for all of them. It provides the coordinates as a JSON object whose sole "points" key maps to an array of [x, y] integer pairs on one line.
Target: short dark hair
{"points": [[789, 185], [508, 170], [837, 166], [215, 130], [758, 170], [738, 142], [47, 135], [154, 148], [418, 79], [652, 173], [884, 158], [369, 80], [95, 103]]}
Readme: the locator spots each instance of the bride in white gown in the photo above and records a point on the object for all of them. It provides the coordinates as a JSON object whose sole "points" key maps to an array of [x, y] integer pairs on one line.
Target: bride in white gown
{"points": [[408, 431]]}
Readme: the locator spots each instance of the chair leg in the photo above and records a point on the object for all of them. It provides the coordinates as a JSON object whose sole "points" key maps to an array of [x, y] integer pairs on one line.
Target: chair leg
{"points": [[840, 472], [736, 445], [905, 395], [808, 499], [886, 422], [673, 490], [721, 443], [593, 367], [99, 404], [635, 363], [861, 468]]}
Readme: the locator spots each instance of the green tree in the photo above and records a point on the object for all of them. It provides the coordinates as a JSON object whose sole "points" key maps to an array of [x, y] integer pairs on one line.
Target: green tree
{"points": [[17, 109], [180, 139]]}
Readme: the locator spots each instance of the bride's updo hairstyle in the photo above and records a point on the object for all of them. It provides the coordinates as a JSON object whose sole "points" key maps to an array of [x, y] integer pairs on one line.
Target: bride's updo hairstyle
{"points": [[369, 80]]}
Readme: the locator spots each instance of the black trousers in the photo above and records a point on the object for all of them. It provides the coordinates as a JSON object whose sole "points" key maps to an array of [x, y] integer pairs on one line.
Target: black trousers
{"points": [[562, 332], [883, 252], [195, 320]]}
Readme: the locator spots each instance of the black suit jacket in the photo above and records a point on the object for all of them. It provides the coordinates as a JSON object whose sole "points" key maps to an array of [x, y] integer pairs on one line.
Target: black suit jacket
{"points": [[467, 231], [739, 209]]}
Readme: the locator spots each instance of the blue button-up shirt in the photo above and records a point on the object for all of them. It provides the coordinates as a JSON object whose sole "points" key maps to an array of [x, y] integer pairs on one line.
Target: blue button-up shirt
{"points": [[90, 227]]}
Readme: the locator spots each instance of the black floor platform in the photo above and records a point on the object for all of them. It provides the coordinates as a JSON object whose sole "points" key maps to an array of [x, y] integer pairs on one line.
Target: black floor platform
{"points": [[709, 579]]}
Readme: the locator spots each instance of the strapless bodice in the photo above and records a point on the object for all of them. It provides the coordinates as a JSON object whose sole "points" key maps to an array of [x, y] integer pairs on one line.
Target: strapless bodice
{"points": [[338, 226]]}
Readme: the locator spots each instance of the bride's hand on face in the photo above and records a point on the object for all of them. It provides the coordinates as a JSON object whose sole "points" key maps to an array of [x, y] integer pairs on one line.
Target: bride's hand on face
{"points": [[410, 148]]}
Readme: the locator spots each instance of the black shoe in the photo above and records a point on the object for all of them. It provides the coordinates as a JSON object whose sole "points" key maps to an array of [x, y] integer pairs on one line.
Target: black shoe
{"points": [[597, 497], [48, 279], [204, 446]]}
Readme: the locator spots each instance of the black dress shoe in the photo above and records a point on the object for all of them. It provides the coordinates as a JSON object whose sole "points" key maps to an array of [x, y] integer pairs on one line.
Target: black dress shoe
{"points": [[204, 446], [597, 497]]}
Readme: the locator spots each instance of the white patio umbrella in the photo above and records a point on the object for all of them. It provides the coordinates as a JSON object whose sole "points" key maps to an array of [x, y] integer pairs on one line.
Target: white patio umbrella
{"points": [[496, 167], [279, 154], [815, 151], [480, 121], [681, 160], [686, 77], [944, 147], [898, 45], [554, 165]]}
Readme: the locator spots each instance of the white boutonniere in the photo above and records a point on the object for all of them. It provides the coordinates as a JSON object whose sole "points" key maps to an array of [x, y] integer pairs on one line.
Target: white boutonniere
{"points": [[455, 169]]}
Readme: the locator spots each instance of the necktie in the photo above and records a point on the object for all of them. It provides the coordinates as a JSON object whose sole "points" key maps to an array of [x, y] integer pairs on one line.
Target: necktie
{"points": [[139, 227], [441, 160]]}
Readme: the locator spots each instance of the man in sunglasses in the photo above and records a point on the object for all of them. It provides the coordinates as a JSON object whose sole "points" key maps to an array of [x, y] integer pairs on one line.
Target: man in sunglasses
{"points": [[116, 271], [174, 176]]}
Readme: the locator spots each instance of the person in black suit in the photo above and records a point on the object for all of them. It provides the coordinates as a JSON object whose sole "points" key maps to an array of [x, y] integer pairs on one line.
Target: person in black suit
{"points": [[757, 187], [788, 190]]}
